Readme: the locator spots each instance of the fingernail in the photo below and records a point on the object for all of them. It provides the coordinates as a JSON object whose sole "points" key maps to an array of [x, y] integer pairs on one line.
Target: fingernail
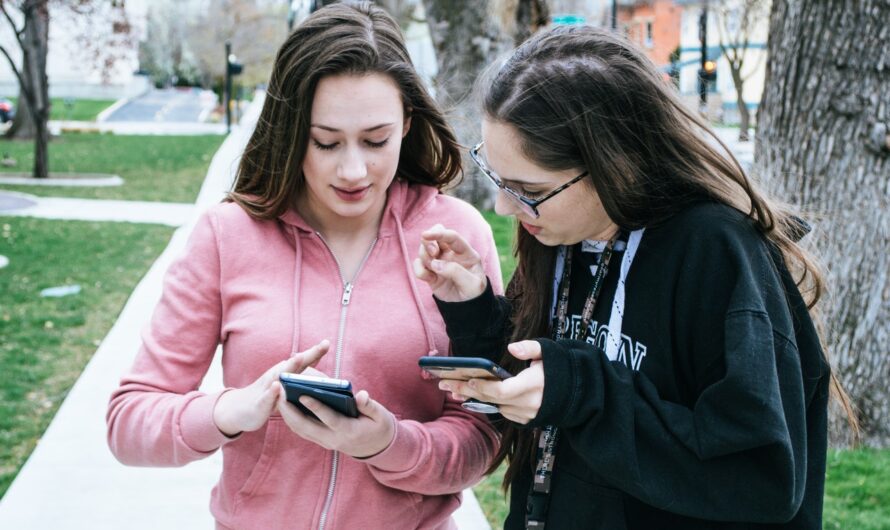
{"points": [[431, 248], [437, 265], [444, 386]]}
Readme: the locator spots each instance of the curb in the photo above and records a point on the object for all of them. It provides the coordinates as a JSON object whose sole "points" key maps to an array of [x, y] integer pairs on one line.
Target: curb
{"points": [[110, 110]]}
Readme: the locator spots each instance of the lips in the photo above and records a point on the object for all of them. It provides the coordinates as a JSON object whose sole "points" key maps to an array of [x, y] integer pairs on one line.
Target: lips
{"points": [[353, 194], [531, 229]]}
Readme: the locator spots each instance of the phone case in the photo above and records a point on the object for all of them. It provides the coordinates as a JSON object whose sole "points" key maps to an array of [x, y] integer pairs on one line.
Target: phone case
{"points": [[462, 368], [340, 400]]}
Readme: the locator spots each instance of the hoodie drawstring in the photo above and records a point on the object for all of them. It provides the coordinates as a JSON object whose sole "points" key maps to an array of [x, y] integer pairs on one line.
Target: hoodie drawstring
{"points": [[431, 343], [298, 266]]}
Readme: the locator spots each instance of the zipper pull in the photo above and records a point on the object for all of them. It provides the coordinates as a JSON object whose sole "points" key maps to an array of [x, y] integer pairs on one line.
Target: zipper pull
{"points": [[347, 293]]}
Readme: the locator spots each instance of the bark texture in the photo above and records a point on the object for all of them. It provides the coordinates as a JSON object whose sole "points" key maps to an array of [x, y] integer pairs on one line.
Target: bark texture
{"points": [[822, 144], [466, 43]]}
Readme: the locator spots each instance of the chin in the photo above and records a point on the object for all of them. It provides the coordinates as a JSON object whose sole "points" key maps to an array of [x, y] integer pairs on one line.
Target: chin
{"points": [[547, 241]]}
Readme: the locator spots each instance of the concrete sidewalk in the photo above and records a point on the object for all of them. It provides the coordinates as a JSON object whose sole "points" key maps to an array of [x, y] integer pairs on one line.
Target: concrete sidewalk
{"points": [[71, 480], [164, 213]]}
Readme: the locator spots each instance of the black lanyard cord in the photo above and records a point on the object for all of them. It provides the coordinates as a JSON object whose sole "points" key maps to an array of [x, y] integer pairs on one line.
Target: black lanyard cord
{"points": [[539, 495]]}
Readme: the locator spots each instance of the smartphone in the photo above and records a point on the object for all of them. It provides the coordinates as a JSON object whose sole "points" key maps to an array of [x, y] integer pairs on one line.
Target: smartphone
{"points": [[463, 369], [335, 393]]}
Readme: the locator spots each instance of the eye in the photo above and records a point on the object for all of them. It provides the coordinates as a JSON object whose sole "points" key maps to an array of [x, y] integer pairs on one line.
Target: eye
{"points": [[530, 194], [324, 147], [377, 145]]}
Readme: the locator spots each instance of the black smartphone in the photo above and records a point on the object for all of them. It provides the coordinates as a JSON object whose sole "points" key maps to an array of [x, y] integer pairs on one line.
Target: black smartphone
{"points": [[335, 393], [463, 369]]}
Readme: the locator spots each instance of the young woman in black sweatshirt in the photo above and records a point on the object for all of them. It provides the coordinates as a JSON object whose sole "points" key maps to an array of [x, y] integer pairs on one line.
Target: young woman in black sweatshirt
{"points": [[668, 372]]}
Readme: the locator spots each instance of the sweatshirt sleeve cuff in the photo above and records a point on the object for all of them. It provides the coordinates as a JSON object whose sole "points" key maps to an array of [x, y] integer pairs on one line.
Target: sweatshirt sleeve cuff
{"points": [[560, 381], [196, 424], [469, 317], [402, 453]]}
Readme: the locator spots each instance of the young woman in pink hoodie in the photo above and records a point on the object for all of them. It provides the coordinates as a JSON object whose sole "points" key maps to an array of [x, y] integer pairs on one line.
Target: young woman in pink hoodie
{"points": [[309, 263]]}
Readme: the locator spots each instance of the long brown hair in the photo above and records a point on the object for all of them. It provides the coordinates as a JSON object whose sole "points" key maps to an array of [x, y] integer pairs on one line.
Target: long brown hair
{"points": [[582, 97], [356, 39]]}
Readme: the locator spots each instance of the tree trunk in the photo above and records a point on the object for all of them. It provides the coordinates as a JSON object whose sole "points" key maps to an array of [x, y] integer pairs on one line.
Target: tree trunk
{"points": [[744, 116], [466, 43], [34, 86], [530, 16], [22, 126], [822, 144]]}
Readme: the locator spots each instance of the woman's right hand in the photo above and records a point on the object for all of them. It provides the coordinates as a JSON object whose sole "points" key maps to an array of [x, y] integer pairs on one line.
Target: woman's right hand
{"points": [[451, 267], [247, 409]]}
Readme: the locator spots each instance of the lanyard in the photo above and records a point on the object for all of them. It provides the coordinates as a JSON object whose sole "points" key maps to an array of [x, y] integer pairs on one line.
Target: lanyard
{"points": [[539, 496]]}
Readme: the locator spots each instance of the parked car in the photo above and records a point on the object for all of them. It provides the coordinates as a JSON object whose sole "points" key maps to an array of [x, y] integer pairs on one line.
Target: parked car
{"points": [[7, 110]]}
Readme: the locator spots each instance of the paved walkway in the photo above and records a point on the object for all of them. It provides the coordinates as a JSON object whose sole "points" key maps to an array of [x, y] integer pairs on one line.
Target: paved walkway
{"points": [[165, 213], [71, 481]]}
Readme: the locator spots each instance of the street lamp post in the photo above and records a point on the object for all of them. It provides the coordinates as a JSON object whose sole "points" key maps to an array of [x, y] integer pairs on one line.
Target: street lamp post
{"points": [[614, 14], [703, 35], [233, 68], [227, 99]]}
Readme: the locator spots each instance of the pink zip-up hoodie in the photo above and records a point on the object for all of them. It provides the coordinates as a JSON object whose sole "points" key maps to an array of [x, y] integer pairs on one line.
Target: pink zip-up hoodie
{"points": [[265, 289]]}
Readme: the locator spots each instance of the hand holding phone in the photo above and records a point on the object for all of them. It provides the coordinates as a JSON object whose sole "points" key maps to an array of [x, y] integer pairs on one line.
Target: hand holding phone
{"points": [[335, 393], [464, 369]]}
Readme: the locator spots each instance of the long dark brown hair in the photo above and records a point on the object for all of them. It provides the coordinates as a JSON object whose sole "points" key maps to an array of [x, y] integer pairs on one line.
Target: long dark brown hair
{"points": [[348, 38], [584, 98]]}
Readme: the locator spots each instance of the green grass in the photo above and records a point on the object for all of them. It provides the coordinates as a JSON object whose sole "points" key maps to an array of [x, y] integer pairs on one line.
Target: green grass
{"points": [[857, 490], [504, 230], [79, 110], [46, 342], [857, 484], [154, 168]]}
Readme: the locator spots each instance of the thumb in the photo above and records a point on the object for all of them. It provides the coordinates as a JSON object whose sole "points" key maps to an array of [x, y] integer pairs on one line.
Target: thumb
{"points": [[370, 408], [269, 397], [526, 350]]}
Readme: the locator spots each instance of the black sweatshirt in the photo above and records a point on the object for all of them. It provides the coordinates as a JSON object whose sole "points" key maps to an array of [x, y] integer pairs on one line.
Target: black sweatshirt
{"points": [[715, 413]]}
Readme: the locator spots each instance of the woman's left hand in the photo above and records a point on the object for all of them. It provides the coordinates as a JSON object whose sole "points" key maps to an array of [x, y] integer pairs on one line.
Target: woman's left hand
{"points": [[519, 397], [361, 437]]}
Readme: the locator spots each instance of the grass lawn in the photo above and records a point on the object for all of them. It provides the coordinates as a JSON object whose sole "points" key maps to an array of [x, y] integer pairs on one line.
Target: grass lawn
{"points": [[79, 109], [504, 230], [857, 485], [154, 168], [46, 342], [857, 490]]}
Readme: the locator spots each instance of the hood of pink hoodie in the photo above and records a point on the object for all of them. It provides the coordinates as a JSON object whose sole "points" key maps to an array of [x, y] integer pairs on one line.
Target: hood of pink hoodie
{"points": [[405, 205]]}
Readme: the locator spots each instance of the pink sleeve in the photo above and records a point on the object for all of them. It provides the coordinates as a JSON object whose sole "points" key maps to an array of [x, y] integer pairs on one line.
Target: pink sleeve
{"points": [[452, 452], [156, 417], [438, 457]]}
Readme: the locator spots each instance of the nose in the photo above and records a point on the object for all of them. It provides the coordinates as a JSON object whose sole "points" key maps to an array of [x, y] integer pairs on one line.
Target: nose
{"points": [[504, 205], [353, 166]]}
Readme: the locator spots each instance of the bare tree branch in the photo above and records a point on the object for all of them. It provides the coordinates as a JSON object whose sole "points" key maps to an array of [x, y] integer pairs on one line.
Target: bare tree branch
{"points": [[15, 30], [15, 70]]}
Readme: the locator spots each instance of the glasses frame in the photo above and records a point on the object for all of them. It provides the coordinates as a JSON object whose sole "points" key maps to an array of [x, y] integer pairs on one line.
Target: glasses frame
{"points": [[527, 205]]}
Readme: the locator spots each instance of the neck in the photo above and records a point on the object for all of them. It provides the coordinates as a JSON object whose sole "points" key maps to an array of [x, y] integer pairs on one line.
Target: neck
{"points": [[604, 234], [336, 228]]}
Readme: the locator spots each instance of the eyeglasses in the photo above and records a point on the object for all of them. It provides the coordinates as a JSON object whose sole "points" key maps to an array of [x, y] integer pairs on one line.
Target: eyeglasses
{"points": [[527, 205]]}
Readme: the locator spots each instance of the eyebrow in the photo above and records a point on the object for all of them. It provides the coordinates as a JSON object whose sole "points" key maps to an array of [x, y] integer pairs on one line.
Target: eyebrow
{"points": [[332, 129]]}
